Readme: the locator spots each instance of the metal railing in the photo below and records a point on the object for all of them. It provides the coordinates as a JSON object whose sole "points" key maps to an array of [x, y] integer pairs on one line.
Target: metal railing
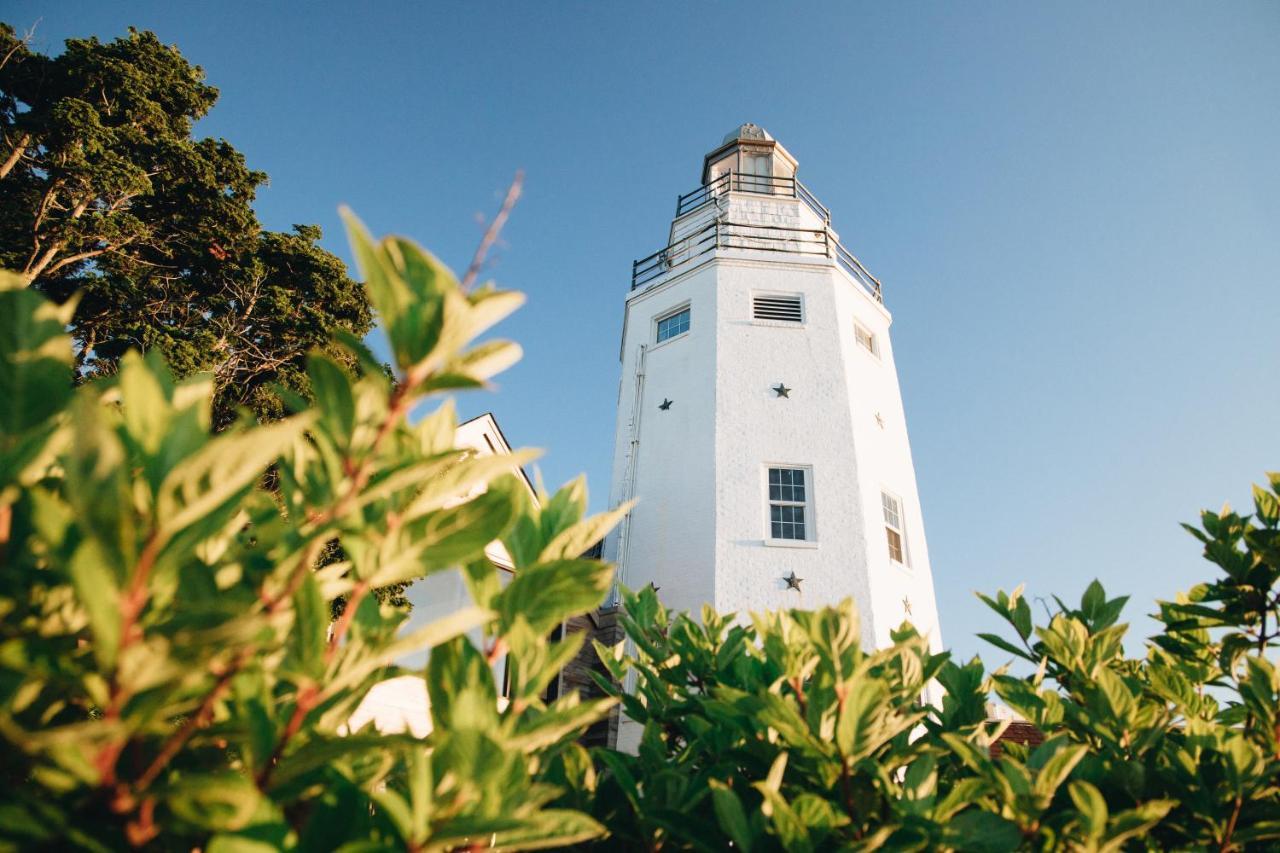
{"points": [[760, 238], [782, 187]]}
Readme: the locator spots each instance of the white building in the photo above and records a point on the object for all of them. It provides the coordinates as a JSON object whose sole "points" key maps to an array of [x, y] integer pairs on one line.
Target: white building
{"points": [[760, 423]]}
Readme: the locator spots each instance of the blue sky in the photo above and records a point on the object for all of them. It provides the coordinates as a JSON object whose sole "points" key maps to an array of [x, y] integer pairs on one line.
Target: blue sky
{"points": [[1075, 212]]}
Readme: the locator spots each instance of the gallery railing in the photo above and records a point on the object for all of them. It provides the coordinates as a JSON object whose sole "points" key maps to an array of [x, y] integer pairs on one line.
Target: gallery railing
{"points": [[760, 238], [756, 184]]}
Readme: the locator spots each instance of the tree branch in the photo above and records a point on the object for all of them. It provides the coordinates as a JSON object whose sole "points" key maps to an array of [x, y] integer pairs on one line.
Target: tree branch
{"points": [[494, 229], [19, 148]]}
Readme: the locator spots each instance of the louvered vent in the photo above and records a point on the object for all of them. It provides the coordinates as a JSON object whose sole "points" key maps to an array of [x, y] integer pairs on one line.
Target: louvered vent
{"points": [[787, 309]]}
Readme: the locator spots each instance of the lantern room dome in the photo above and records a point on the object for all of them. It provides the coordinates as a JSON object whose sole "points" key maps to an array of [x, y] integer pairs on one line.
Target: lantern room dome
{"points": [[747, 131]]}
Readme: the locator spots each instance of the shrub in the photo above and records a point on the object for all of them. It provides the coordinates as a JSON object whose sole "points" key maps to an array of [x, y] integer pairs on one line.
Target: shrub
{"points": [[171, 675], [782, 733], [169, 672]]}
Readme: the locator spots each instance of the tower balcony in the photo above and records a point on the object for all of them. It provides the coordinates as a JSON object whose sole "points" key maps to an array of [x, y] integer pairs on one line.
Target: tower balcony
{"points": [[770, 185], [715, 230]]}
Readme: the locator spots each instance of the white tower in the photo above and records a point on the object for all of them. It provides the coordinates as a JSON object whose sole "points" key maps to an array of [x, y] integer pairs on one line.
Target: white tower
{"points": [[760, 424]]}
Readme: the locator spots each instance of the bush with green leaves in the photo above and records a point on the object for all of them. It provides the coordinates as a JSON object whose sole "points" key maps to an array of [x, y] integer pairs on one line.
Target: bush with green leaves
{"points": [[170, 675], [782, 733]]}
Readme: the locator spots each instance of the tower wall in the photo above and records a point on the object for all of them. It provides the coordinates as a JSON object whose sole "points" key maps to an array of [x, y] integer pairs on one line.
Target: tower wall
{"points": [[700, 531], [883, 462], [810, 428], [665, 459]]}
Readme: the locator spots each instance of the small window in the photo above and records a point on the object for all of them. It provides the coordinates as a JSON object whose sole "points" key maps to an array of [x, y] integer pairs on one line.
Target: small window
{"points": [[786, 309], [673, 324], [866, 339], [893, 528], [789, 504]]}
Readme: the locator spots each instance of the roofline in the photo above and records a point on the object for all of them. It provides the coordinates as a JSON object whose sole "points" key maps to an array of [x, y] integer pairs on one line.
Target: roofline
{"points": [[502, 435]]}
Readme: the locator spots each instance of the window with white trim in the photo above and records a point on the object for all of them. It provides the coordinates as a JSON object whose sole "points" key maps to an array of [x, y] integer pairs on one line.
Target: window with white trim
{"points": [[676, 323], [866, 339], [790, 504], [784, 309], [894, 529]]}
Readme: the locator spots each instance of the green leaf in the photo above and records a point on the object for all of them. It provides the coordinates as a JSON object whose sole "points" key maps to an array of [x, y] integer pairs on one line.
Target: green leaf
{"points": [[1001, 643], [1267, 506], [564, 509], [622, 775], [544, 594], [308, 638], [976, 831], [322, 751], [428, 636], [581, 537], [548, 828], [1092, 808], [146, 408], [730, 814], [223, 800], [482, 581], [787, 825], [35, 356], [96, 588], [1021, 617], [421, 782], [461, 687], [490, 306], [219, 474], [486, 360], [1057, 768], [557, 723], [388, 293], [331, 387]]}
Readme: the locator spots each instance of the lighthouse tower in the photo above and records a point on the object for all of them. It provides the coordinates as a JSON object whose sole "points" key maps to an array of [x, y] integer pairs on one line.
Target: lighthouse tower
{"points": [[760, 424]]}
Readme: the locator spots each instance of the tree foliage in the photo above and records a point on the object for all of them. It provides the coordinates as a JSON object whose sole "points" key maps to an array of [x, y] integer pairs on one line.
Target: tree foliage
{"points": [[105, 193], [783, 734], [169, 672]]}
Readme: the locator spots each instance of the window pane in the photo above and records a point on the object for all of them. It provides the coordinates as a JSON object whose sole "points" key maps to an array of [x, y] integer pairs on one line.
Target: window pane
{"points": [[787, 503], [892, 516], [895, 545], [865, 339], [676, 324]]}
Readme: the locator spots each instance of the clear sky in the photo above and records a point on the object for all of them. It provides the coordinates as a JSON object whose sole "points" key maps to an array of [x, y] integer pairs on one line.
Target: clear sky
{"points": [[1075, 212]]}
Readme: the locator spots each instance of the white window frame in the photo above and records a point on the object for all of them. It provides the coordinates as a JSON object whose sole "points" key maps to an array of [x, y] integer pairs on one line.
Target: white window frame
{"points": [[810, 516], [874, 348], [667, 315], [899, 509], [778, 324]]}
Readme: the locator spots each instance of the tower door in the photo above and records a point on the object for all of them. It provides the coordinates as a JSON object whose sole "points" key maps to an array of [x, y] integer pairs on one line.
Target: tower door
{"points": [[757, 174]]}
